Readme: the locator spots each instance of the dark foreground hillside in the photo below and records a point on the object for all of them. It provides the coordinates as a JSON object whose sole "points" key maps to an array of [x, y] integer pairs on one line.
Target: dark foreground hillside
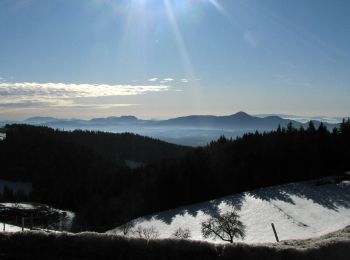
{"points": [[39, 245], [82, 171]]}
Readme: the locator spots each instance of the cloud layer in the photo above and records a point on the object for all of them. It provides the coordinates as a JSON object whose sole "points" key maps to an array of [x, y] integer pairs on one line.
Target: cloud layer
{"points": [[33, 94]]}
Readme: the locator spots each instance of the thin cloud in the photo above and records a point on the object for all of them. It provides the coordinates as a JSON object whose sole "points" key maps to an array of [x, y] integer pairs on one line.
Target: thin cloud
{"points": [[32, 94], [168, 79], [153, 79], [60, 104]]}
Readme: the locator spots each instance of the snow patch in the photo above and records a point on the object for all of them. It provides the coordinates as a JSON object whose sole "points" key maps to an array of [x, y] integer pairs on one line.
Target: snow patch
{"points": [[298, 211], [17, 205], [10, 228]]}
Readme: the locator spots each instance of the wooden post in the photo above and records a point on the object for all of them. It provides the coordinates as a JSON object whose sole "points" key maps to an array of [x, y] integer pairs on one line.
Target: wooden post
{"points": [[22, 224], [60, 222], [31, 221], [4, 226], [274, 231]]}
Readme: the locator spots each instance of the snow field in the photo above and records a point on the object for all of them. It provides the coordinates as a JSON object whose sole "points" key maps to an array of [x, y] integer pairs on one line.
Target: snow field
{"points": [[298, 211]]}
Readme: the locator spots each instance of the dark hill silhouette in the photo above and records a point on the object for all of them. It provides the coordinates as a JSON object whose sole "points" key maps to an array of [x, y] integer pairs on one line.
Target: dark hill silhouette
{"points": [[125, 146], [115, 120], [192, 130], [74, 170], [80, 171], [240, 120]]}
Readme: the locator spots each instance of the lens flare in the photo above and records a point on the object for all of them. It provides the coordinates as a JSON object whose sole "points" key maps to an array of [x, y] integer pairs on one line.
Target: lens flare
{"points": [[190, 74], [217, 5], [179, 39]]}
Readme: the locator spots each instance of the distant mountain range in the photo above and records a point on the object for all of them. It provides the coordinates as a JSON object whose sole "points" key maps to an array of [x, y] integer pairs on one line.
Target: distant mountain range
{"points": [[240, 120], [188, 130]]}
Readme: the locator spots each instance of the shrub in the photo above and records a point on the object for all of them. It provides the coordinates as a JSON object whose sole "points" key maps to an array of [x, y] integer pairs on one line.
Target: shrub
{"points": [[182, 233]]}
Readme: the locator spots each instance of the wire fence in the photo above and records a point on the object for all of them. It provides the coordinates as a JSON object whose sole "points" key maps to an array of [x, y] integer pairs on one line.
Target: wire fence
{"points": [[34, 219]]}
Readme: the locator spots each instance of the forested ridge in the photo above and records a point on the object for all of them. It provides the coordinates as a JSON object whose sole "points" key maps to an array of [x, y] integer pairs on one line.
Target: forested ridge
{"points": [[125, 146], [81, 171], [76, 170]]}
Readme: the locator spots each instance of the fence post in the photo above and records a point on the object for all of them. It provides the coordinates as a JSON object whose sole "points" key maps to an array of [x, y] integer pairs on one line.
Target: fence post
{"points": [[274, 231], [22, 224], [31, 221], [4, 226]]}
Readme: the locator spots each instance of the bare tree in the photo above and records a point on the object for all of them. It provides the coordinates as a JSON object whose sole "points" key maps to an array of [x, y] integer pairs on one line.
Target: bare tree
{"points": [[226, 226], [127, 227], [138, 231], [150, 233], [147, 233], [182, 233]]}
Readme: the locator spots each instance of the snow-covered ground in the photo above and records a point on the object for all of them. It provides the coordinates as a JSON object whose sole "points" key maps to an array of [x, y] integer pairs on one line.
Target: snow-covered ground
{"points": [[10, 228], [298, 210], [17, 205]]}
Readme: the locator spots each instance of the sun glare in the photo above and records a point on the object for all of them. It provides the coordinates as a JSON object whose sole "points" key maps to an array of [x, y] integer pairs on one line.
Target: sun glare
{"points": [[144, 16]]}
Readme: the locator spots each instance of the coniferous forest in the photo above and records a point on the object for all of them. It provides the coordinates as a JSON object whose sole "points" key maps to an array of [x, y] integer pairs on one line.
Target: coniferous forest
{"points": [[86, 172]]}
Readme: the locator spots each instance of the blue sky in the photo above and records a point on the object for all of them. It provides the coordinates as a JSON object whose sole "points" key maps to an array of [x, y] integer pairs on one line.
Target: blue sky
{"points": [[165, 58]]}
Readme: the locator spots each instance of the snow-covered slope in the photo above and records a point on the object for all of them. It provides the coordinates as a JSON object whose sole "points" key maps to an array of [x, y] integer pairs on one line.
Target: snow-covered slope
{"points": [[298, 210]]}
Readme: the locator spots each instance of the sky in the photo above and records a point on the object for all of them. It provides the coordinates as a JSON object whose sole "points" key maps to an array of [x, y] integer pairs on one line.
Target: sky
{"points": [[168, 58]]}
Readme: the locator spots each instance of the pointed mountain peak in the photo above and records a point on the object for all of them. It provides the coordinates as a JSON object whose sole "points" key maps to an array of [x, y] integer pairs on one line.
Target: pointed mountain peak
{"points": [[241, 114]]}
